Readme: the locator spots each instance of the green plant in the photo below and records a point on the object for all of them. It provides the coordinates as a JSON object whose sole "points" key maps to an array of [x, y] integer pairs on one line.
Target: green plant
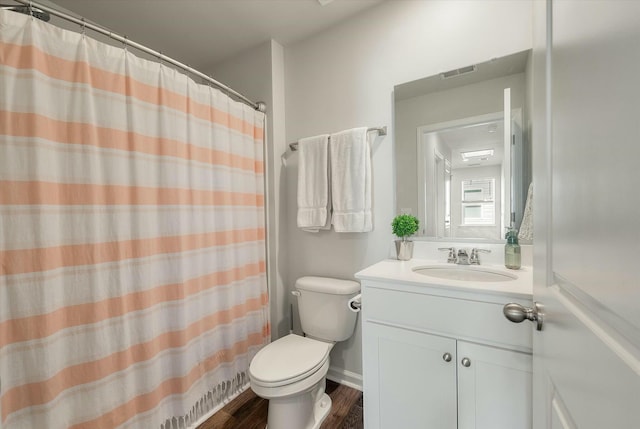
{"points": [[405, 225]]}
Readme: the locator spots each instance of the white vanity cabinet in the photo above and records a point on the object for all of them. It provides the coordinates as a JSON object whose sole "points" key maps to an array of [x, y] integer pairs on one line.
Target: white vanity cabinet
{"points": [[443, 358], [494, 391]]}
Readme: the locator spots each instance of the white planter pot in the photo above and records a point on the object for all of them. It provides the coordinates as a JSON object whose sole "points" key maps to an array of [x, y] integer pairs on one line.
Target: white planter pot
{"points": [[404, 249]]}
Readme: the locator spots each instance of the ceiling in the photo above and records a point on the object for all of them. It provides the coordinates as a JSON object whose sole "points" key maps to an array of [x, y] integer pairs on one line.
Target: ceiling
{"points": [[202, 33], [487, 135]]}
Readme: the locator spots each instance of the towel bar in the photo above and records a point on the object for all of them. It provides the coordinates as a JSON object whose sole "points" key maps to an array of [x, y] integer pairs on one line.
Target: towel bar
{"points": [[382, 131]]}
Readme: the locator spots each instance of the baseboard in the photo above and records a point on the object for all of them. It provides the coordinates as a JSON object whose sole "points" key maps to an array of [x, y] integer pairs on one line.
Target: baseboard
{"points": [[348, 378], [218, 407]]}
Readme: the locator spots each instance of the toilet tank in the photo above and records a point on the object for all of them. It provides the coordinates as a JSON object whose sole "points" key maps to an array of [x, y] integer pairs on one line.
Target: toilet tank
{"points": [[322, 304]]}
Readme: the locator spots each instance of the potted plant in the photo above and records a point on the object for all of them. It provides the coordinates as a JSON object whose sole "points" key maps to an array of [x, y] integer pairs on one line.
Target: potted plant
{"points": [[404, 226]]}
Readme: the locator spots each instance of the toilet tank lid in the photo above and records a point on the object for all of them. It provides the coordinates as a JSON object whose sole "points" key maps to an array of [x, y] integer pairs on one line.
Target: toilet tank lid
{"points": [[328, 285]]}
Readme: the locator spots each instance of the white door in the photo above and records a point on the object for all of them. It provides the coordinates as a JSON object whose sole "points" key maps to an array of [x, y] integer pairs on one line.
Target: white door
{"points": [[587, 214]]}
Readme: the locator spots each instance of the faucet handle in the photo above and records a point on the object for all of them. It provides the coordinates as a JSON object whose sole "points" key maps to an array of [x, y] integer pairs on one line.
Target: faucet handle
{"points": [[452, 258], [476, 250], [475, 258]]}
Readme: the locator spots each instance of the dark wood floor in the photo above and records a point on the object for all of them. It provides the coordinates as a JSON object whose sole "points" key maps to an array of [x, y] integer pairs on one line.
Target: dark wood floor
{"points": [[248, 411]]}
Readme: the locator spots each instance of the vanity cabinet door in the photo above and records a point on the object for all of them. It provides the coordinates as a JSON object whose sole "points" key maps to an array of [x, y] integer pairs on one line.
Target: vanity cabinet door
{"points": [[494, 388], [410, 379]]}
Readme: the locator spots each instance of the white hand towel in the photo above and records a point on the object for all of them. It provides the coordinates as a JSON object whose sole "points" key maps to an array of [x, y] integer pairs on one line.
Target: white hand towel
{"points": [[351, 181], [314, 196]]}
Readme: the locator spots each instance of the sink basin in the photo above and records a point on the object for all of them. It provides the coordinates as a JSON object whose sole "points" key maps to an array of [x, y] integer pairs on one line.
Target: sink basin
{"points": [[465, 273]]}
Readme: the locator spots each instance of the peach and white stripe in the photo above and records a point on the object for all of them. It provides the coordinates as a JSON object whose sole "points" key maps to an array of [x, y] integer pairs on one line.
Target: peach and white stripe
{"points": [[21, 80], [132, 236], [152, 271], [148, 169]]}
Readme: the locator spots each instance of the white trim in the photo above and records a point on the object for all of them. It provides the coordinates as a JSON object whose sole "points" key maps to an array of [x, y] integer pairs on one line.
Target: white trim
{"points": [[435, 210], [507, 173], [626, 350], [421, 175], [348, 378], [470, 121], [547, 160]]}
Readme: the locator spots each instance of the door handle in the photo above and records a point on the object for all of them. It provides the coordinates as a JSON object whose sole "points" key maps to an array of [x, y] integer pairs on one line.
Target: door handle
{"points": [[518, 313]]}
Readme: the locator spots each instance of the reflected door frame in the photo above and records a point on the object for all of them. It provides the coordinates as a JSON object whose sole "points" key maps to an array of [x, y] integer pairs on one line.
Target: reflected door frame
{"points": [[425, 195]]}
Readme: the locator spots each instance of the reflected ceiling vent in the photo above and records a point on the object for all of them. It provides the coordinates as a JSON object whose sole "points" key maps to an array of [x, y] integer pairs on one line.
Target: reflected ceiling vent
{"points": [[458, 72]]}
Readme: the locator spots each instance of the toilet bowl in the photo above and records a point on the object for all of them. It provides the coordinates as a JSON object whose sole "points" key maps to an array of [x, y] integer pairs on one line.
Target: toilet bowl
{"points": [[291, 371], [291, 374]]}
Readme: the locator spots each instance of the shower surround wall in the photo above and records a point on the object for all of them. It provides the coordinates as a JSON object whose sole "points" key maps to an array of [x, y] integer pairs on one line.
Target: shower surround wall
{"points": [[344, 78]]}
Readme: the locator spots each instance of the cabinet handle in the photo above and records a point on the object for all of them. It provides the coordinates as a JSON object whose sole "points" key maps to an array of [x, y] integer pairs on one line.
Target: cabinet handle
{"points": [[446, 357], [466, 362]]}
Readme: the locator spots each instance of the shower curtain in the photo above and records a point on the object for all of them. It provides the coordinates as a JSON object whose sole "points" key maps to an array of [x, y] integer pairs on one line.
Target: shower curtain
{"points": [[132, 286]]}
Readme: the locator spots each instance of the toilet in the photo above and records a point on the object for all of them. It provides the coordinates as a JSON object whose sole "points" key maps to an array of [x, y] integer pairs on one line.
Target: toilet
{"points": [[291, 372]]}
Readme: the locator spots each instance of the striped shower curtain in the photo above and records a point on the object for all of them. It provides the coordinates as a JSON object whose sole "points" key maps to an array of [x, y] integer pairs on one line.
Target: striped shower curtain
{"points": [[132, 284]]}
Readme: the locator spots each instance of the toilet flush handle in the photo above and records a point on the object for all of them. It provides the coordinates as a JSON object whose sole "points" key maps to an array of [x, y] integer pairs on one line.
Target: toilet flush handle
{"points": [[295, 293]]}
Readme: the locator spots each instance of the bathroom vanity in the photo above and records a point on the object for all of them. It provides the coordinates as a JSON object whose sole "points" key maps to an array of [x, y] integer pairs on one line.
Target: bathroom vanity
{"points": [[438, 351]]}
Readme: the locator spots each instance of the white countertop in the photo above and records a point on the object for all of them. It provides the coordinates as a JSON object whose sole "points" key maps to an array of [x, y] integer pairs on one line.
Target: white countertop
{"points": [[401, 272]]}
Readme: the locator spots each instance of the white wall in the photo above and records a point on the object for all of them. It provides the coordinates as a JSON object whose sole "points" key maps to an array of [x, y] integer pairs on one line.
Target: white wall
{"points": [[259, 75], [344, 78]]}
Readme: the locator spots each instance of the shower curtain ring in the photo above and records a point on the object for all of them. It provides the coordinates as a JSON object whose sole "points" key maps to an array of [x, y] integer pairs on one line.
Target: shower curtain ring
{"points": [[84, 27], [31, 9], [124, 42]]}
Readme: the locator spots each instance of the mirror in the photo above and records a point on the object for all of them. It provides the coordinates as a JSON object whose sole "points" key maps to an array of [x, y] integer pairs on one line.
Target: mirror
{"points": [[463, 157]]}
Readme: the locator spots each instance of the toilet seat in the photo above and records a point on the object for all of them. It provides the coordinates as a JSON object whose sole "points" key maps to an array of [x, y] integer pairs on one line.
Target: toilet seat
{"points": [[288, 360]]}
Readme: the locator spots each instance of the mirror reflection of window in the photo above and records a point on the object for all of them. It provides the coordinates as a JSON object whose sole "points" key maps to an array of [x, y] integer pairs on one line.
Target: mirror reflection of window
{"points": [[478, 202]]}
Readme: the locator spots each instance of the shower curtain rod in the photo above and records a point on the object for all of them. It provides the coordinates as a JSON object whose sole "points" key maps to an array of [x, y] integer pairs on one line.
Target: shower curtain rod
{"points": [[259, 106], [382, 131]]}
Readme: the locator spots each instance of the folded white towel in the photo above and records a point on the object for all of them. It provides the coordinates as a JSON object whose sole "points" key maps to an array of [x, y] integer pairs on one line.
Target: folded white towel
{"points": [[351, 181], [314, 195]]}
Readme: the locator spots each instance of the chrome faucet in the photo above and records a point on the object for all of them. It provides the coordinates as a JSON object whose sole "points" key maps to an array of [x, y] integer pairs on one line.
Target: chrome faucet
{"points": [[475, 258], [463, 257]]}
